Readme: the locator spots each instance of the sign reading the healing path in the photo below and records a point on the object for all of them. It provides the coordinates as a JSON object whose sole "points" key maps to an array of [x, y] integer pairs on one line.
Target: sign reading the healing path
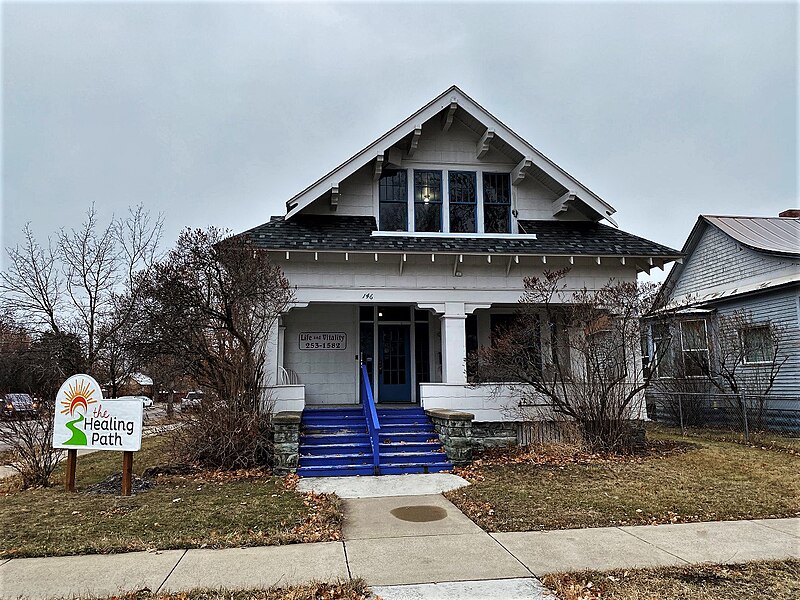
{"points": [[85, 421]]}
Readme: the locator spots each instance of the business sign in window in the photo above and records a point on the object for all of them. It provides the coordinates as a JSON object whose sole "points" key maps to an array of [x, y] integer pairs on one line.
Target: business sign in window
{"points": [[314, 340]]}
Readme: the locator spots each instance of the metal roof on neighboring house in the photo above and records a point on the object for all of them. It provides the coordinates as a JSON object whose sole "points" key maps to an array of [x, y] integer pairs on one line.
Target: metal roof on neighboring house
{"points": [[768, 234], [354, 234]]}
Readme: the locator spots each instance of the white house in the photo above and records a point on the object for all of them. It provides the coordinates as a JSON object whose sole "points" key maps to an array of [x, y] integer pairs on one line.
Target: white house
{"points": [[406, 256]]}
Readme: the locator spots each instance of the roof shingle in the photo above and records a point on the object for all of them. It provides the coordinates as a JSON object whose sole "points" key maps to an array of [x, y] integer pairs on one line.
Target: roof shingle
{"points": [[354, 234]]}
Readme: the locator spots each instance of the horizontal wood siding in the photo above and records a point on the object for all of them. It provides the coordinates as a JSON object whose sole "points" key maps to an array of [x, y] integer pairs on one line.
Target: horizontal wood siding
{"points": [[781, 307], [719, 260]]}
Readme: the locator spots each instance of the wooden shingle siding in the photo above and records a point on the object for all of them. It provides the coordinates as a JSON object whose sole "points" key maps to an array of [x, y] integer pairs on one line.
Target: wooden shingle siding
{"points": [[719, 260], [780, 307]]}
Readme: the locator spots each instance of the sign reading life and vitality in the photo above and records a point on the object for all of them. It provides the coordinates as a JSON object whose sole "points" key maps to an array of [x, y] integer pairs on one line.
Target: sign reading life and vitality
{"points": [[85, 421], [323, 341]]}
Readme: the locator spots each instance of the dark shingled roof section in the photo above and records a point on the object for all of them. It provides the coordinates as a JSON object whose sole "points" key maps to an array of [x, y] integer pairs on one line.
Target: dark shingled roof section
{"points": [[313, 232]]}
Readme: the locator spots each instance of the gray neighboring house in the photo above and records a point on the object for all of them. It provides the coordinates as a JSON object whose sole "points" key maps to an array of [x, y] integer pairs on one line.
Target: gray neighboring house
{"points": [[738, 263]]}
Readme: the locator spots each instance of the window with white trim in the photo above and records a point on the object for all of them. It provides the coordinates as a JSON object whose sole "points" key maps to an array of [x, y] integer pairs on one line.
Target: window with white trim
{"points": [[393, 201], [497, 203], [463, 192], [757, 344], [427, 201], [694, 347]]}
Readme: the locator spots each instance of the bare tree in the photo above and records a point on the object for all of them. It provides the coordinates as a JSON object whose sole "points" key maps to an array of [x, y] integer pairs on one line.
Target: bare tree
{"points": [[213, 302], [577, 355], [87, 283]]}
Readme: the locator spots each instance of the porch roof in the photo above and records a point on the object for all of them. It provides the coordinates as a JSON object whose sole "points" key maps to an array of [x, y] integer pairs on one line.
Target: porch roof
{"points": [[355, 234]]}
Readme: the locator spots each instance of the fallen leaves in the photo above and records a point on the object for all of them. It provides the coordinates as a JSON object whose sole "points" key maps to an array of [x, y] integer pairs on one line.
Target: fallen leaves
{"points": [[560, 454]]}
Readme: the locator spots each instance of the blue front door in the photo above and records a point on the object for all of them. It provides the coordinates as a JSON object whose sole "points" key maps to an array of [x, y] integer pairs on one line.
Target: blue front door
{"points": [[394, 363]]}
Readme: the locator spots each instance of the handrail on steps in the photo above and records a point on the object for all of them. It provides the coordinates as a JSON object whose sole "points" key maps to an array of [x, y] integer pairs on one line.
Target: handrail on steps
{"points": [[371, 415]]}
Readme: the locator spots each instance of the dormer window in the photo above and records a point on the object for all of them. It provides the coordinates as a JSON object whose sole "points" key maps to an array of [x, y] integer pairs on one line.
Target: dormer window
{"points": [[434, 201], [428, 201], [393, 197], [496, 203], [463, 201]]}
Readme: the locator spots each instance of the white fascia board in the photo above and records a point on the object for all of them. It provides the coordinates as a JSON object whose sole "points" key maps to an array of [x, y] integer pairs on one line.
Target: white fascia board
{"points": [[427, 112]]}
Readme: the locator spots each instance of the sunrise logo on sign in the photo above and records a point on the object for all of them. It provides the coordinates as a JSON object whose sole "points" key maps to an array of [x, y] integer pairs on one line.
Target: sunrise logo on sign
{"points": [[77, 398], [88, 421]]}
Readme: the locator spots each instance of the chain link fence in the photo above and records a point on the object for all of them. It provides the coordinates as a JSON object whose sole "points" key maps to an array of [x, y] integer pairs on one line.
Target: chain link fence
{"points": [[746, 414]]}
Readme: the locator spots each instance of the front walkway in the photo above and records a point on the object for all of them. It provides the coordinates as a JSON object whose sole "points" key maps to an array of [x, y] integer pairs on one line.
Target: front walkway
{"points": [[398, 543]]}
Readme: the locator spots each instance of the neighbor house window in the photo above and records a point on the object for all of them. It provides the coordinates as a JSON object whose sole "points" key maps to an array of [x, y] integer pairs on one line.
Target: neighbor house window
{"points": [[462, 186], [496, 203], [663, 351], [694, 347], [427, 200], [393, 197], [757, 346]]}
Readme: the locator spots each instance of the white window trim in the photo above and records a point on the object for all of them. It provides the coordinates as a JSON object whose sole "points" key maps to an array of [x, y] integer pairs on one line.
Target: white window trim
{"points": [[684, 350], [497, 236], [445, 168], [745, 362]]}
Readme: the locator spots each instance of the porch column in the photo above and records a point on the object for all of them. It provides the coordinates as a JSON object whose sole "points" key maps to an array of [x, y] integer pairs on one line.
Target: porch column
{"points": [[281, 342], [454, 344], [271, 356]]}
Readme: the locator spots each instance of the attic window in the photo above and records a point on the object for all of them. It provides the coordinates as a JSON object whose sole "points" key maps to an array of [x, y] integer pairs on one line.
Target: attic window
{"points": [[463, 201], [393, 196], [427, 201], [496, 203]]}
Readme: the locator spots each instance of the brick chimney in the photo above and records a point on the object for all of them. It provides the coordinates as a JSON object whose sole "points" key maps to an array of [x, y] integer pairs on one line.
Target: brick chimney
{"points": [[792, 212]]}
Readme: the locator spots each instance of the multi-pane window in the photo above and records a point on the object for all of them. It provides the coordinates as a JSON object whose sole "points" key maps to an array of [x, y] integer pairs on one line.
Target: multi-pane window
{"points": [[757, 346], [694, 346], [393, 197], [496, 203], [663, 354], [462, 186], [427, 200]]}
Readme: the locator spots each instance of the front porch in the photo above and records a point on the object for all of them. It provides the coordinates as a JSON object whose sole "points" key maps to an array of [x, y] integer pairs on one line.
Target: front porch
{"points": [[415, 354]]}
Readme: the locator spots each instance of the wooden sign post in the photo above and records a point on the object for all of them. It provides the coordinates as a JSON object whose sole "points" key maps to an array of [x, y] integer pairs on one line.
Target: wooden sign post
{"points": [[127, 472], [69, 479]]}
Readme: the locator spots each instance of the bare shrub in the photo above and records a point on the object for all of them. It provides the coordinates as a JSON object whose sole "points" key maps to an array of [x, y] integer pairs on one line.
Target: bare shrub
{"points": [[589, 371], [220, 438], [30, 441], [212, 304]]}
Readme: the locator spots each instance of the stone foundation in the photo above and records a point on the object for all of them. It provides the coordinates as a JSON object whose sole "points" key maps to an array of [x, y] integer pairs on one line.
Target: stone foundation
{"points": [[495, 434], [454, 429], [286, 442]]}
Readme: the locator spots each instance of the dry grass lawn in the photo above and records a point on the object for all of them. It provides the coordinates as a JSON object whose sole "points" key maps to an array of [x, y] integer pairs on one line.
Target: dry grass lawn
{"points": [[213, 510], [347, 590], [708, 480], [777, 580]]}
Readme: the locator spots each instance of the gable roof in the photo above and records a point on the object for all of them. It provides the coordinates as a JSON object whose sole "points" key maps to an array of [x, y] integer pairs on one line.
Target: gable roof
{"points": [[778, 236], [452, 98], [552, 238]]}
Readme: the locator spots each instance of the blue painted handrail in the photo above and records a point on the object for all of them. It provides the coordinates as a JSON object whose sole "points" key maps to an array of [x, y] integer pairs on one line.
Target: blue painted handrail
{"points": [[371, 414]]}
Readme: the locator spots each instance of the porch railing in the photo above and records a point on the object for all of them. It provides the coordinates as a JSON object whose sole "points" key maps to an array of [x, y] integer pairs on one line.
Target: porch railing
{"points": [[371, 415]]}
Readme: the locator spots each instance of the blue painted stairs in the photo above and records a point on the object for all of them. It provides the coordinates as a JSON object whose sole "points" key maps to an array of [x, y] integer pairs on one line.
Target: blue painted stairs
{"points": [[334, 442], [408, 443]]}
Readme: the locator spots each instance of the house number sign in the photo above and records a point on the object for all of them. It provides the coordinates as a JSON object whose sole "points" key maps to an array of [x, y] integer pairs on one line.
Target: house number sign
{"points": [[311, 340]]}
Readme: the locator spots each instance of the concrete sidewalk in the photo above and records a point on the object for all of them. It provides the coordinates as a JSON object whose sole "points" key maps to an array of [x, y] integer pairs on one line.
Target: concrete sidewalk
{"points": [[403, 543]]}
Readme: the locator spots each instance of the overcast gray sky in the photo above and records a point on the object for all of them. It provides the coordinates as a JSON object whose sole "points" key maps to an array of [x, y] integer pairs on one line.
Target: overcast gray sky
{"points": [[217, 113]]}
